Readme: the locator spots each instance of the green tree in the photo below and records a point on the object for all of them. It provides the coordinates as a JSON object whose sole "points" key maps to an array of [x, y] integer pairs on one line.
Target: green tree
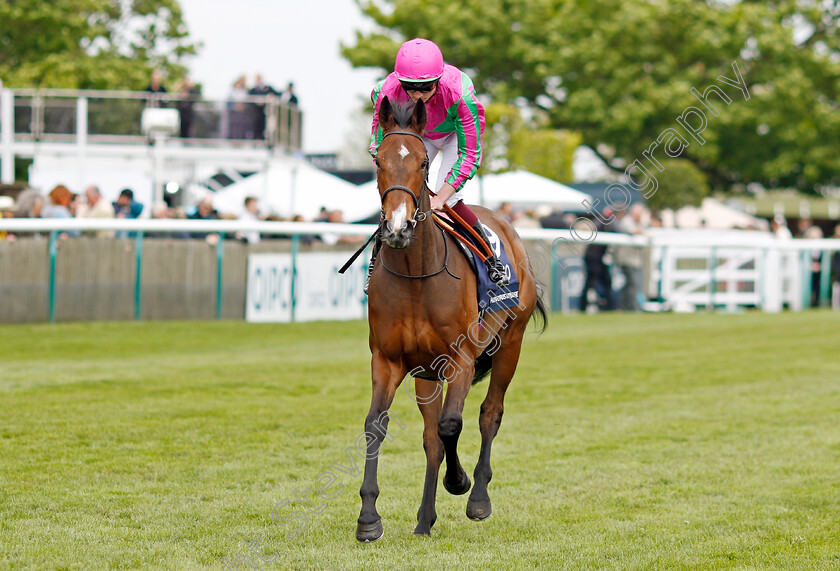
{"points": [[511, 143], [91, 44], [620, 72], [680, 184]]}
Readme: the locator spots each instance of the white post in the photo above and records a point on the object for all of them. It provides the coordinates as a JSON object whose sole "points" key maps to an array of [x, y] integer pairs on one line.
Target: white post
{"points": [[773, 280], [82, 137], [158, 139], [293, 188], [7, 118], [795, 267]]}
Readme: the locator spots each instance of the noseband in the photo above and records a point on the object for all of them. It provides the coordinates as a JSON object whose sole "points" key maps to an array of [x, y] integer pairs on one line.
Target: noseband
{"points": [[418, 216]]}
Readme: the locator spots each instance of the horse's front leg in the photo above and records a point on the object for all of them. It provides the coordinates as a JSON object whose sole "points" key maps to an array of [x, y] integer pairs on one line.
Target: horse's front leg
{"points": [[387, 376], [429, 399], [450, 423]]}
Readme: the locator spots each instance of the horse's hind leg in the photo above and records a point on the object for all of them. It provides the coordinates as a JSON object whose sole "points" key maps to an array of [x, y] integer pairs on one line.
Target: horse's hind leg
{"points": [[429, 400], [455, 480], [504, 365], [386, 378]]}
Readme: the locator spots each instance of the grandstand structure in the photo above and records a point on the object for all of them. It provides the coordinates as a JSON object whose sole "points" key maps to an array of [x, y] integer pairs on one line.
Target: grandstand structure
{"points": [[119, 139]]}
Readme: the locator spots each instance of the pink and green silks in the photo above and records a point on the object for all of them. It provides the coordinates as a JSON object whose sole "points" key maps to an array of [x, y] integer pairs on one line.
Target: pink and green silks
{"points": [[454, 108]]}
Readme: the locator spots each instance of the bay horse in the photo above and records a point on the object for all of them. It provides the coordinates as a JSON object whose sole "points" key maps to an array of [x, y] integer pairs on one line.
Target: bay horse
{"points": [[424, 322]]}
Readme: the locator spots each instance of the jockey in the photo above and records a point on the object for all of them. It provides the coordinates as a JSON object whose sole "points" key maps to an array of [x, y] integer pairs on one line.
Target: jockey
{"points": [[455, 124]]}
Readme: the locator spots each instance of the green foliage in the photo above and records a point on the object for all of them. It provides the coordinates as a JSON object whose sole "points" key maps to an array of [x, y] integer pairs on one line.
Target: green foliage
{"points": [[511, 143], [620, 72], [546, 152], [680, 184], [90, 44]]}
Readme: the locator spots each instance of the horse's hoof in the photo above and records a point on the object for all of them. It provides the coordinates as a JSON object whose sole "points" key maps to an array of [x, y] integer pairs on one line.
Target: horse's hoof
{"points": [[422, 532], [460, 488], [478, 510], [368, 532]]}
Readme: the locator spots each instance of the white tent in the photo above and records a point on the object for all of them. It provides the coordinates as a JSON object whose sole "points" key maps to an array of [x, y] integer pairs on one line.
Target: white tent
{"points": [[715, 214], [523, 189], [293, 186]]}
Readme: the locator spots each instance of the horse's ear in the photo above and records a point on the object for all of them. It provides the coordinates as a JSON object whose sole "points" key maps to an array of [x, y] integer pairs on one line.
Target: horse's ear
{"points": [[386, 114], [418, 117]]}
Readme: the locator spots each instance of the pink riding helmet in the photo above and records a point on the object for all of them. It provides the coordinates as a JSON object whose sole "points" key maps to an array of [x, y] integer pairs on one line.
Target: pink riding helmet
{"points": [[419, 60]]}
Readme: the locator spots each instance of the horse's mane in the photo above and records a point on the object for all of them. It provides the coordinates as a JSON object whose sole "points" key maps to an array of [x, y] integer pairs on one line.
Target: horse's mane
{"points": [[403, 112]]}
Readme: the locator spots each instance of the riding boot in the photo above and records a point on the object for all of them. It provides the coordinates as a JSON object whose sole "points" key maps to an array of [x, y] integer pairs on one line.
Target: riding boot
{"points": [[495, 268], [375, 252]]}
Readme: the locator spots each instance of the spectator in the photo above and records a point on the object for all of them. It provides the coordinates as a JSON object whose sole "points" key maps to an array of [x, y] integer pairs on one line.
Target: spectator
{"points": [[127, 207], [289, 95], [802, 226], [307, 239], [205, 211], [98, 208], [780, 229], [187, 96], [156, 90], [58, 203], [291, 131], [29, 204], [258, 110], [631, 259], [323, 215], [656, 220], [77, 207], [58, 206], [161, 211], [506, 211], [337, 217], [597, 271], [250, 214], [238, 124], [814, 233]]}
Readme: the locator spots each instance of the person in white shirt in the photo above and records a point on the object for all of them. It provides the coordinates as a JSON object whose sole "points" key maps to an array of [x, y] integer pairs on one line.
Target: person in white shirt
{"points": [[250, 214]]}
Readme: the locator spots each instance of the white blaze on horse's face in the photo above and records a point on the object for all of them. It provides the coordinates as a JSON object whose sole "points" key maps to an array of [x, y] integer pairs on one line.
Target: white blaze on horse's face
{"points": [[398, 217], [403, 152]]}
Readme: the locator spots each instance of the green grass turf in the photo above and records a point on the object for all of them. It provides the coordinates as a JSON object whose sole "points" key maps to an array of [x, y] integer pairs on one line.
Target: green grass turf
{"points": [[629, 442]]}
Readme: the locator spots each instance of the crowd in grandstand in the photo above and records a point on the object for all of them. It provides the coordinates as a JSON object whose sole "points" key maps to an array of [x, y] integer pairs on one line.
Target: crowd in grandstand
{"points": [[244, 118]]}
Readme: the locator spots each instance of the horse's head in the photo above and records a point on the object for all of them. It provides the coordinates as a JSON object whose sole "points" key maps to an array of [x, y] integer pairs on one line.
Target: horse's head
{"points": [[402, 166]]}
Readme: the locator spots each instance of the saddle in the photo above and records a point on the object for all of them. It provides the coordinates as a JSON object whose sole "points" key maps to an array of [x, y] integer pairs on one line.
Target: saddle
{"points": [[491, 297]]}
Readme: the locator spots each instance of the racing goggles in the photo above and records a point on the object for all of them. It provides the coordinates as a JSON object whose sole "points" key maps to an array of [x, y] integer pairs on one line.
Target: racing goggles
{"points": [[421, 86]]}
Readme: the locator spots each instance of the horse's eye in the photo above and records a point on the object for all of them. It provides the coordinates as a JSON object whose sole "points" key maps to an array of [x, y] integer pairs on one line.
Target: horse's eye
{"points": [[376, 162]]}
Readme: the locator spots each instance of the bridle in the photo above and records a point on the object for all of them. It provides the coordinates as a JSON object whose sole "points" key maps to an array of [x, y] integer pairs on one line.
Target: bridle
{"points": [[418, 215]]}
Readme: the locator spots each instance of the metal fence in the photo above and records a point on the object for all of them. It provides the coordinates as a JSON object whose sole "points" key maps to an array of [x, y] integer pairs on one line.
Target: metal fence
{"points": [[48, 278]]}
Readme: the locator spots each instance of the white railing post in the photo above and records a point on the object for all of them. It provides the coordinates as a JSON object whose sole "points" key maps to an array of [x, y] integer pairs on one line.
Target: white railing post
{"points": [[773, 280], [81, 136], [7, 136]]}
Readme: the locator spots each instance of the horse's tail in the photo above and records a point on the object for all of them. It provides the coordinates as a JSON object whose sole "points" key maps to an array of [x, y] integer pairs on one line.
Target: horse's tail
{"points": [[540, 313]]}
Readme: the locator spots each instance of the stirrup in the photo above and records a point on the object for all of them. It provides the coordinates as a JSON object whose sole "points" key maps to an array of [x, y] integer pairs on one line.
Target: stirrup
{"points": [[496, 271], [367, 278], [374, 253]]}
